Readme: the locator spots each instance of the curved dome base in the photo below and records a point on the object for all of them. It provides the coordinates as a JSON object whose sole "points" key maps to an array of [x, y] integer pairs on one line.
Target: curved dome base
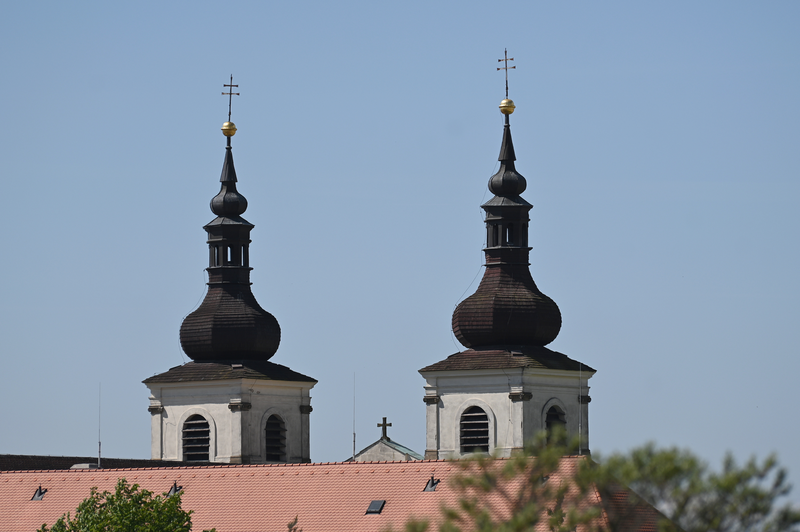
{"points": [[230, 325], [507, 309]]}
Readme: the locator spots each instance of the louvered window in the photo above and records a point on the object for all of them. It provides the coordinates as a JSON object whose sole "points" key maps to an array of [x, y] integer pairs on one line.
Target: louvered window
{"points": [[275, 439], [196, 439], [474, 431]]}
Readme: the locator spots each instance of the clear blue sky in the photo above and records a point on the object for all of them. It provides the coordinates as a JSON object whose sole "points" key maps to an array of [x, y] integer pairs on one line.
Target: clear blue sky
{"points": [[659, 140]]}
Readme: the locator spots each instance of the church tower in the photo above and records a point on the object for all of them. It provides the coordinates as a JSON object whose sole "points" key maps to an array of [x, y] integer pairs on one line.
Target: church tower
{"points": [[230, 404], [506, 386]]}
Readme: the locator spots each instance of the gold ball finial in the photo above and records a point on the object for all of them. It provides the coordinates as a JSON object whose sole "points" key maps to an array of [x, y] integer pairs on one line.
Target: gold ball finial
{"points": [[229, 129], [507, 106]]}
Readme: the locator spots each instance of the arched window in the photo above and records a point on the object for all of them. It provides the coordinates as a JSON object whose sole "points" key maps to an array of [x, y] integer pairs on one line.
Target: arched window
{"points": [[196, 439], [275, 439], [474, 431], [555, 420]]}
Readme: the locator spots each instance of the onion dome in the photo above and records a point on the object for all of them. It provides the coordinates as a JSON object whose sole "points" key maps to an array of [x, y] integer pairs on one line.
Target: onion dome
{"points": [[229, 325], [507, 309], [228, 202]]}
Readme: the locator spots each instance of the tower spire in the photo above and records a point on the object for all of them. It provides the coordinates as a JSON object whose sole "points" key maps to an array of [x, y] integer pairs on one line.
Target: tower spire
{"points": [[507, 309], [229, 325], [505, 326]]}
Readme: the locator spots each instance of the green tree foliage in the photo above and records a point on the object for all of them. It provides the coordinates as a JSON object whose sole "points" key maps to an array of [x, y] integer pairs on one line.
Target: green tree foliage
{"points": [[128, 509], [737, 498], [667, 489], [293, 526]]}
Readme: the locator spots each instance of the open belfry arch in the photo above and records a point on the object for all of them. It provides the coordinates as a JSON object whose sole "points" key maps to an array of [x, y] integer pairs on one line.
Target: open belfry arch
{"points": [[506, 386], [230, 404]]}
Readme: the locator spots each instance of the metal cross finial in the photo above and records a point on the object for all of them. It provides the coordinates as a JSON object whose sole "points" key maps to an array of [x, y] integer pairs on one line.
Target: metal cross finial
{"points": [[383, 426], [505, 60], [231, 94]]}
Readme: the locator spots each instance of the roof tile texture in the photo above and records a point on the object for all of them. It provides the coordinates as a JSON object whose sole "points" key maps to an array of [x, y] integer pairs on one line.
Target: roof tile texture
{"points": [[244, 498]]}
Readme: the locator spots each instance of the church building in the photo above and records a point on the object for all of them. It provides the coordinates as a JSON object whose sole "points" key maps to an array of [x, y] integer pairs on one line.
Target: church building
{"points": [[230, 404], [506, 386], [230, 428]]}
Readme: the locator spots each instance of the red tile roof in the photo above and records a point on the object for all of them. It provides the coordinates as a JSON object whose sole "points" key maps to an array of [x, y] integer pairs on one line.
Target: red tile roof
{"points": [[259, 498]]}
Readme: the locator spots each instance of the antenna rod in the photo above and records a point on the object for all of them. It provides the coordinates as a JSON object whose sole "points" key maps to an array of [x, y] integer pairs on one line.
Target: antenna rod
{"points": [[580, 409], [354, 416], [99, 418]]}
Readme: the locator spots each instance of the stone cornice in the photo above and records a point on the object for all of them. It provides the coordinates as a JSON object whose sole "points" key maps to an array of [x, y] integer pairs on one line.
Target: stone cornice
{"points": [[520, 396], [237, 405]]}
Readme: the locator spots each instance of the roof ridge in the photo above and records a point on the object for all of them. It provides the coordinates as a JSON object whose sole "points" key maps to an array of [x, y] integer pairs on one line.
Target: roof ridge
{"points": [[221, 465]]}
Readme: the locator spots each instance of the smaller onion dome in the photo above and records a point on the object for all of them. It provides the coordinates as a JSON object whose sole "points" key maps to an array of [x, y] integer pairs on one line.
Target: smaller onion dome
{"points": [[507, 181], [229, 202]]}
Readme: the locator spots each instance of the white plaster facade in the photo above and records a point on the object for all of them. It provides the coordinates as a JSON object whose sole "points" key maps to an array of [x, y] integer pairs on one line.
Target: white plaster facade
{"points": [[516, 402], [237, 411]]}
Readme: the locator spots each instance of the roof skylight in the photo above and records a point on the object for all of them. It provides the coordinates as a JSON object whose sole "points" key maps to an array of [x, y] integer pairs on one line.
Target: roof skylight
{"points": [[375, 507]]}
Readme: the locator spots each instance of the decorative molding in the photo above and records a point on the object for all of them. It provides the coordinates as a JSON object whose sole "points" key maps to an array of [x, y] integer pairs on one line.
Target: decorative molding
{"points": [[520, 396], [306, 409], [155, 409], [584, 399], [237, 405], [431, 399]]}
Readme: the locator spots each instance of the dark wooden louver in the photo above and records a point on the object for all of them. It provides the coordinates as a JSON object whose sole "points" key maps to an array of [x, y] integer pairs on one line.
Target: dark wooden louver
{"points": [[474, 431], [196, 439]]}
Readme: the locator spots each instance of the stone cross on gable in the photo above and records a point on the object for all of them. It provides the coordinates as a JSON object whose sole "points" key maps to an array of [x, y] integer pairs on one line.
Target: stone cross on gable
{"points": [[383, 426]]}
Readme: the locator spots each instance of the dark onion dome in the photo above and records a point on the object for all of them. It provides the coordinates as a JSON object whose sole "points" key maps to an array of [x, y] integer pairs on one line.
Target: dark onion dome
{"points": [[507, 181], [507, 308], [229, 325], [228, 202]]}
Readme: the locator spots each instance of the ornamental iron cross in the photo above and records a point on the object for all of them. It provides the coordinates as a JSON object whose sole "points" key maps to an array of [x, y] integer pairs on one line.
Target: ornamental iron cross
{"points": [[505, 60], [383, 426], [231, 94]]}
